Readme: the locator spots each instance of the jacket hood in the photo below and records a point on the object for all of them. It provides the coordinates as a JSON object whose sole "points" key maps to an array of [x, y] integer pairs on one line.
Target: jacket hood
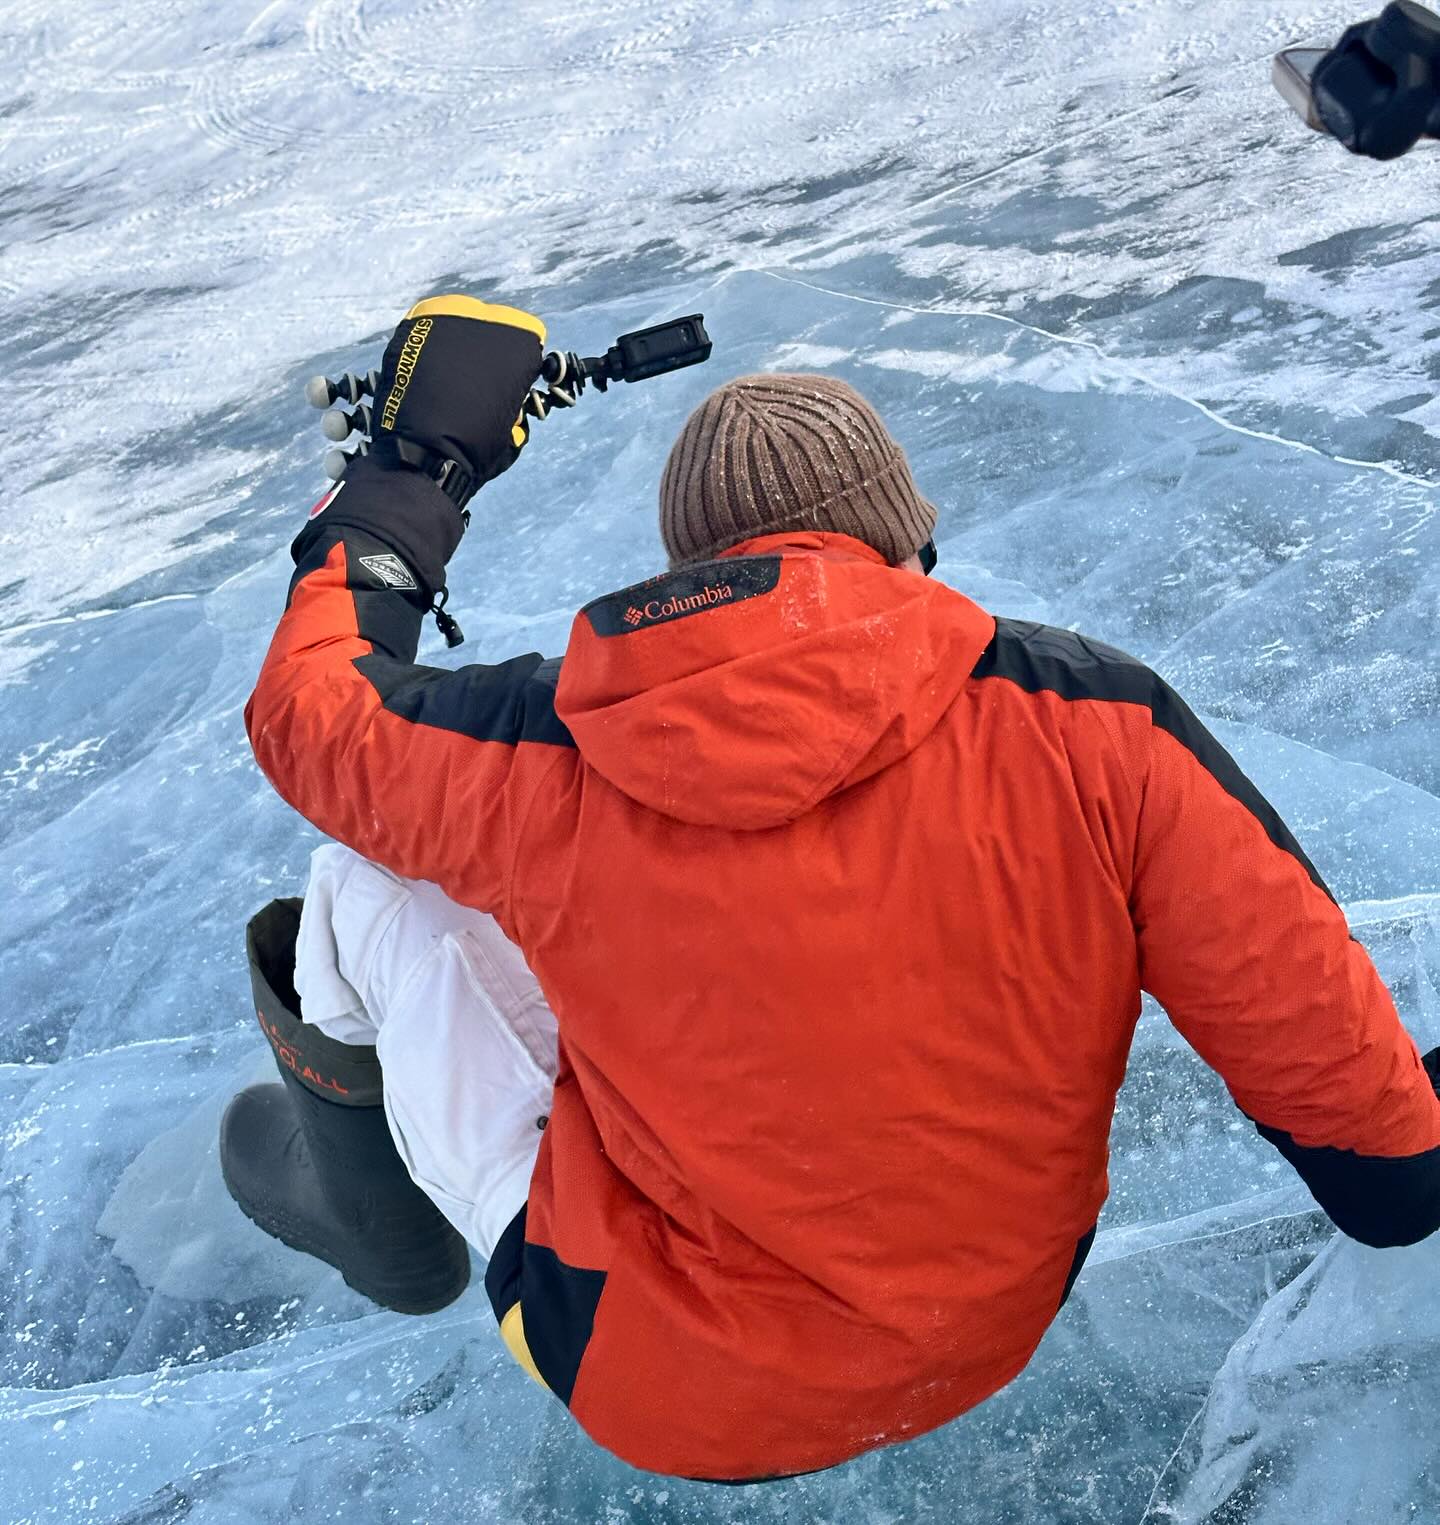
{"points": [[741, 692]]}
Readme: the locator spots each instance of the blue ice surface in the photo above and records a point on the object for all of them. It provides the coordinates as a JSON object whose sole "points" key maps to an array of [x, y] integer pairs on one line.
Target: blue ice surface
{"points": [[1161, 361]]}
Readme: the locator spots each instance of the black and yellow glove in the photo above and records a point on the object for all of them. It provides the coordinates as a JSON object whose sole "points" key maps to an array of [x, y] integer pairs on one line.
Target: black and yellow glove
{"points": [[452, 389], [447, 418]]}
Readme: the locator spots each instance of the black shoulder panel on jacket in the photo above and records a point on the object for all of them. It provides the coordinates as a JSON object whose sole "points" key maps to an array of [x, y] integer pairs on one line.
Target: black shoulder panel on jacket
{"points": [[1379, 1201], [511, 703], [1046, 659]]}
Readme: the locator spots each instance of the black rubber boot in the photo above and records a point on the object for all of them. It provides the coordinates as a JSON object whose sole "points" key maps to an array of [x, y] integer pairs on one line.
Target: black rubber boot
{"points": [[312, 1161]]}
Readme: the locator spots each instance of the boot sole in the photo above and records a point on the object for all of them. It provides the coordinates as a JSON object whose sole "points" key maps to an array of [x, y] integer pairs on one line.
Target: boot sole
{"points": [[286, 1232]]}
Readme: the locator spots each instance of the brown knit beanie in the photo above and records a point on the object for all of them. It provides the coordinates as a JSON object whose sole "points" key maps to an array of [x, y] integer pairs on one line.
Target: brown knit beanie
{"points": [[764, 454]]}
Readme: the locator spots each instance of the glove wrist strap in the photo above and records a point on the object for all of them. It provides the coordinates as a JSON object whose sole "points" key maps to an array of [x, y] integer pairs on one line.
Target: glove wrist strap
{"points": [[452, 477]]}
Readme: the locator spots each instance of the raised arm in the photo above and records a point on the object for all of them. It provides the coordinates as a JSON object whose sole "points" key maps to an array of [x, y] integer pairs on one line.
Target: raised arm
{"points": [[1244, 946], [421, 769]]}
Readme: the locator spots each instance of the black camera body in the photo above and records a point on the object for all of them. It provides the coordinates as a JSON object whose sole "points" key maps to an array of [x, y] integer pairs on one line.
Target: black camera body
{"points": [[636, 356], [653, 351]]}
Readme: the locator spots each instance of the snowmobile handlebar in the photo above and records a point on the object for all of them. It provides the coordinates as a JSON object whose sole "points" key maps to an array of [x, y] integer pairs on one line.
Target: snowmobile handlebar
{"points": [[634, 356]]}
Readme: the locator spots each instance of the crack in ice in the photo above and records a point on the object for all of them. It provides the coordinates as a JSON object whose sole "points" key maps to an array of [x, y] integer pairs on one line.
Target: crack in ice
{"points": [[1119, 367]]}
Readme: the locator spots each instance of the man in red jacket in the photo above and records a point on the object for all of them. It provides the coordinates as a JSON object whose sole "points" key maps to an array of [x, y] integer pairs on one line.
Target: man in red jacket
{"points": [[842, 893]]}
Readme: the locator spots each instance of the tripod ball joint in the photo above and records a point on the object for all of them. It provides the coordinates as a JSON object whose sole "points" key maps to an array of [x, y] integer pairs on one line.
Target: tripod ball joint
{"points": [[338, 425], [338, 461], [321, 392]]}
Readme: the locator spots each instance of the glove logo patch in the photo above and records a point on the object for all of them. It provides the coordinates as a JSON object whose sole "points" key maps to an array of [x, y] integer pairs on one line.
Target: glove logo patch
{"points": [[405, 369], [390, 571]]}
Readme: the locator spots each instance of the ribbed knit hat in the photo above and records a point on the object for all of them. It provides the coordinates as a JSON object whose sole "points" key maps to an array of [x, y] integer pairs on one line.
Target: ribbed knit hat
{"points": [[764, 454]]}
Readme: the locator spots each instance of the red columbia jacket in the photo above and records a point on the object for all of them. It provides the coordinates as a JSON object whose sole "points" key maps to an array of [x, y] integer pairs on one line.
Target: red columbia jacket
{"points": [[844, 894]]}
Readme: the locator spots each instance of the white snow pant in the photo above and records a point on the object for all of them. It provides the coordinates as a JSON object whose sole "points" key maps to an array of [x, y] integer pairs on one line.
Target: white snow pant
{"points": [[465, 1038]]}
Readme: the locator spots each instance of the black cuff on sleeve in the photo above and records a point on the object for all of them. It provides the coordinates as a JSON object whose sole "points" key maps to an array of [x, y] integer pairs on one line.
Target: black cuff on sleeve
{"points": [[1380, 1201], [402, 509], [388, 613]]}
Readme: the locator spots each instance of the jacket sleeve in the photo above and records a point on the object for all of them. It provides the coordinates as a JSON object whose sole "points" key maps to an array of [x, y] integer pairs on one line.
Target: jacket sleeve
{"points": [[1242, 943], [424, 770]]}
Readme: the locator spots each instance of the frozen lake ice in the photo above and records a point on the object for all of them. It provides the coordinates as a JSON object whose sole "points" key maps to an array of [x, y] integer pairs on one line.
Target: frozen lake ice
{"points": [[1169, 365]]}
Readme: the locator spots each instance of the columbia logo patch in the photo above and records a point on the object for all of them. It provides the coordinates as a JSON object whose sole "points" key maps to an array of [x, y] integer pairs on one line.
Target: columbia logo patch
{"points": [[678, 595], [390, 571]]}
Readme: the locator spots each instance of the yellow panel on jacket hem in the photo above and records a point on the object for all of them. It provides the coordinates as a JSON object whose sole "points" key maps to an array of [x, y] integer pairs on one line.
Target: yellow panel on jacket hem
{"points": [[512, 1331]]}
